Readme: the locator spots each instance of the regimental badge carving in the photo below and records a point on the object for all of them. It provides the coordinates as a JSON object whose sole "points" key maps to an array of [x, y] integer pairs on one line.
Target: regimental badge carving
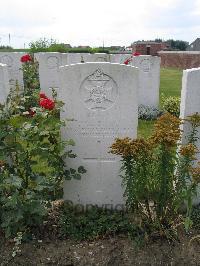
{"points": [[145, 65], [52, 62], [98, 91], [6, 59]]}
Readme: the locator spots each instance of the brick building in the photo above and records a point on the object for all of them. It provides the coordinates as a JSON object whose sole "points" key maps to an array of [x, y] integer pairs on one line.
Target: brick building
{"points": [[148, 47]]}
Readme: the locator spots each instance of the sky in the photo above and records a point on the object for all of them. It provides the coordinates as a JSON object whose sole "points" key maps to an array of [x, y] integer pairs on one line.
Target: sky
{"points": [[91, 22]]}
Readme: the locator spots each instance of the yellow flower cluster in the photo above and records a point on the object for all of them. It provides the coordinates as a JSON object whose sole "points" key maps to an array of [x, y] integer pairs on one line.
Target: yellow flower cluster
{"points": [[194, 120], [195, 173], [127, 147], [167, 130], [189, 151]]}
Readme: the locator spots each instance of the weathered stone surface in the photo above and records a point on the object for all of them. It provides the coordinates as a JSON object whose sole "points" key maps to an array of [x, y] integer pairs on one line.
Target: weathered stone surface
{"points": [[190, 103], [48, 70], [190, 99], [99, 57], [12, 60], [102, 100], [149, 79], [119, 58], [75, 58], [4, 83]]}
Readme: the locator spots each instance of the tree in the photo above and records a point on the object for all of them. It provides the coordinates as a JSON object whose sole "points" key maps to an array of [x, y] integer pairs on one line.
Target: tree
{"points": [[178, 44]]}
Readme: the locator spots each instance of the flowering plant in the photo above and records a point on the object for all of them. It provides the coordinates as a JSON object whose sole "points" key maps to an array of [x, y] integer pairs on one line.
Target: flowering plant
{"points": [[157, 181], [43, 95], [26, 58], [32, 155], [46, 103]]}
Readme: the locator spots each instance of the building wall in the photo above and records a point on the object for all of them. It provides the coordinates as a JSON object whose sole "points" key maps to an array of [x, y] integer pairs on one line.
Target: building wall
{"points": [[183, 60], [154, 48]]}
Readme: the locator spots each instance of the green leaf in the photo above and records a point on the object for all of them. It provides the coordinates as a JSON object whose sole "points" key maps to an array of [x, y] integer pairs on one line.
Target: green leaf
{"points": [[44, 133], [81, 170], [72, 171], [14, 181], [77, 176], [71, 155], [17, 120], [67, 175]]}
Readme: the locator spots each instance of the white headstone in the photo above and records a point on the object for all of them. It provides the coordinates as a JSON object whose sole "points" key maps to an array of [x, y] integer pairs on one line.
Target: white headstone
{"points": [[75, 58], [99, 57], [4, 83], [149, 79], [102, 100], [12, 60], [119, 58], [190, 104], [48, 70], [190, 99]]}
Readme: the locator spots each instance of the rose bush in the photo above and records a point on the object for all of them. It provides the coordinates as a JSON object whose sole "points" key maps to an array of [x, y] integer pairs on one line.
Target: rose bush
{"points": [[47, 103], [32, 155], [26, 58]]}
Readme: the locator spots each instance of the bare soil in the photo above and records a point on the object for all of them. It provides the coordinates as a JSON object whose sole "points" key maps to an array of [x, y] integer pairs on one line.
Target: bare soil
{"points": [[113, 251]]}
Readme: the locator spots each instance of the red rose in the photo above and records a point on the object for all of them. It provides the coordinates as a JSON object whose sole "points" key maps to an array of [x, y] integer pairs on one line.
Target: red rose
{"points": [[47, 103], [26, 58], [43, 95], [136, 54]]}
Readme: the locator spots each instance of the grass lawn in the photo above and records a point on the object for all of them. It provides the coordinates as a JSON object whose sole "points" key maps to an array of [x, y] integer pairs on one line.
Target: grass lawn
{"points": [[170, 85], [170, 81], [145, 128]]}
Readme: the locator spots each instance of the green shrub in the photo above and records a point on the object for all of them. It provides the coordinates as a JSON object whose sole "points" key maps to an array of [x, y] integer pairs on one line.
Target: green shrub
{"points": [[41, 45], [148, 112], [157, 180], [88, 50], [46, 45], [58, 47], [94, 222], [195, 216], [5, 47], [171, 105]]}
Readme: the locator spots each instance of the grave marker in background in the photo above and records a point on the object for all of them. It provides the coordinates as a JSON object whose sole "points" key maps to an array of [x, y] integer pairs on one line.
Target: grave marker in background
{"points": [[4, 83], [190, 99], [12, 60], [99, 57], [190, 104], [75, 58], [149, 79], [119, 58], [48, 70]]}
